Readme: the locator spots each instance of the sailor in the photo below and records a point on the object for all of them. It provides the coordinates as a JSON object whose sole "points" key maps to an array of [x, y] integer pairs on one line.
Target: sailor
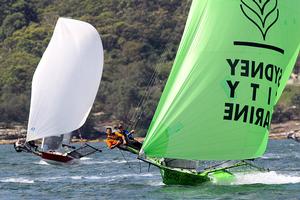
{"points": [[293, 136], [129, 137], [115, 129], [19, 145], [32, 144], [126, 133], [114, 139]]}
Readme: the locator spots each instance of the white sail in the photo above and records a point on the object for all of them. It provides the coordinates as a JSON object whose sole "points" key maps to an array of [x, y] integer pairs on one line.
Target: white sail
{"points": [[66, 80]]}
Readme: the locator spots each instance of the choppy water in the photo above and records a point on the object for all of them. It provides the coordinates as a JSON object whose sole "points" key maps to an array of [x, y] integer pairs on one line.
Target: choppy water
{"points": [[108, 176]]}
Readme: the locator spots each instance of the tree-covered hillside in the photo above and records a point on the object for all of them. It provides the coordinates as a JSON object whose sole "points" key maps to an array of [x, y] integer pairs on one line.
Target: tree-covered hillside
{"points": [[139, 36]]}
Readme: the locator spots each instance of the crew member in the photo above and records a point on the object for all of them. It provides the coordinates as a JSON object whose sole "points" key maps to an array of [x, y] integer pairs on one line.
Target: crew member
{"points": [[131, 142], [126, 133], [114, 139]]}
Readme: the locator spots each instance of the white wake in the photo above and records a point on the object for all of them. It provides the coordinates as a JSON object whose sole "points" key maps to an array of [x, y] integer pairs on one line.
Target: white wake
{"points": [[16, 180], [271, 177]]}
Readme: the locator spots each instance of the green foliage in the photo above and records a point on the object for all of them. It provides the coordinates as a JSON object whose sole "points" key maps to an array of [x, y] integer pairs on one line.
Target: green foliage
{"points": [[15, 14], [138, 37]]}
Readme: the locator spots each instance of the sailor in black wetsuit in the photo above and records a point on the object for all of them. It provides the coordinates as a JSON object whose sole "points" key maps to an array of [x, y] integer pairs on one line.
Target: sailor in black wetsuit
{"points": [[18, 146], [22, 146], [131, 142], [32, 145], [293, 136]]}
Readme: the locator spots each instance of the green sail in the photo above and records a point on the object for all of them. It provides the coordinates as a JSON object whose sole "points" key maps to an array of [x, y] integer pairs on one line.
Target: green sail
{"points": [[233, 61]]}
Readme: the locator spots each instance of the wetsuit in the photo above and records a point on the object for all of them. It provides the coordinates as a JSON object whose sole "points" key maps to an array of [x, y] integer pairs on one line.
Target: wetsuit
{"points": [[131, 142]]}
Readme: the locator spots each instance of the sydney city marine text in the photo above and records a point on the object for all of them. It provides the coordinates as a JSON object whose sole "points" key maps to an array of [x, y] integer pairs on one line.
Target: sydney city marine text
{"points": [[260, 96]]}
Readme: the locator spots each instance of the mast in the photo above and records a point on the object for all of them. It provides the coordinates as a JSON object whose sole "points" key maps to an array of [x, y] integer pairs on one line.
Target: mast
{"points": [[229, 72], [42, 145]]}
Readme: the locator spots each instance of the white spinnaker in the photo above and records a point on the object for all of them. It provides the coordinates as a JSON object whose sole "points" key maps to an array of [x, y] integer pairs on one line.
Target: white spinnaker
{"points": [[66, 80]]}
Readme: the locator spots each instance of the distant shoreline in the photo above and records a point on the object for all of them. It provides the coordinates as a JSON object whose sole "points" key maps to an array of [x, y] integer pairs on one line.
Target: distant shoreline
{"points": [[278, 131], [74, 141], [77, 141]]}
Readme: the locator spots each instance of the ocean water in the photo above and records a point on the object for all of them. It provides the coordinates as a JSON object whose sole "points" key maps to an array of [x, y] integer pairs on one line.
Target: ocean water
{"points": [[113, 175]]}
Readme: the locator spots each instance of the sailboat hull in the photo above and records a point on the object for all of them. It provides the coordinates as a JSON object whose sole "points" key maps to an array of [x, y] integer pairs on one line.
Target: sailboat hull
{"points": [[174, 177], [182, 177], [56, 157]]}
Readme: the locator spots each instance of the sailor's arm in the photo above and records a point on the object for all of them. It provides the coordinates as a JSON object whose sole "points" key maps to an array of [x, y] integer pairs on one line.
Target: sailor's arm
{"points": [[113, 146], [124, 139]]}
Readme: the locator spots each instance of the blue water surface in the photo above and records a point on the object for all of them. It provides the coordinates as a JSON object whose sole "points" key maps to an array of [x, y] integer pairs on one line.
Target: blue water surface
{"points": [[108, 175]]}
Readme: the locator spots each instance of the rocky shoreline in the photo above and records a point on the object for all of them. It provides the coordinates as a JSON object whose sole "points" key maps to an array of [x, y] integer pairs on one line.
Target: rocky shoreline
{"points": [[283, 130], [278, 131], [11, 134]]}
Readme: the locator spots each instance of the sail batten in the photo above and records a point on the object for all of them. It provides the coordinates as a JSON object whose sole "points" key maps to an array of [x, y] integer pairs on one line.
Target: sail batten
{"points": [[226, 78], [66, 80]]}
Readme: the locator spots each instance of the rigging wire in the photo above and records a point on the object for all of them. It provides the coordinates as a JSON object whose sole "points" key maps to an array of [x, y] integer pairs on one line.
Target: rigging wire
{"points": [[139, 111], [126, 86], [128, 163], [243, 162], [142, 100], [140, 162], [136, 116], [217, 165], [139, 108], [125, 158]]}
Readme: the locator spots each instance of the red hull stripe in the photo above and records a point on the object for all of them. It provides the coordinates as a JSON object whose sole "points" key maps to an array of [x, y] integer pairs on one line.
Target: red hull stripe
{"points": [[56, 157]]}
